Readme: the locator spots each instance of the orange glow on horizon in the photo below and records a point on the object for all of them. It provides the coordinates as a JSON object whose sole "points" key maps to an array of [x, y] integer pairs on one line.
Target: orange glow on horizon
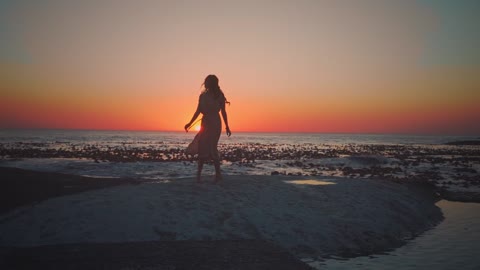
{"points": [[306, 66], [257, 117]]}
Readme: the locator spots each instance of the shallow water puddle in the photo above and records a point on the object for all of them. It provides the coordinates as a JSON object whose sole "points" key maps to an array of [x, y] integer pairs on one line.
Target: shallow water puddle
{"points": [[453, 244], [310, 182]]}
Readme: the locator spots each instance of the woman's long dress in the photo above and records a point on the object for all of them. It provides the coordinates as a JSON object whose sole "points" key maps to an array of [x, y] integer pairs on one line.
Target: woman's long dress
{"points": [[211, 125]]}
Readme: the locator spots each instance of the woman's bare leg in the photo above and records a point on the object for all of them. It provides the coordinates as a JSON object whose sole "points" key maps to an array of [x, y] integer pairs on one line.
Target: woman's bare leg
{"points": [[199, 171], [218, 173]]}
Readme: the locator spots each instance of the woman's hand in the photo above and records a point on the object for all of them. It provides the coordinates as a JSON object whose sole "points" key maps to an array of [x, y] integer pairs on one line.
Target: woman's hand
{"points": [[187, 126], [229, 133]]}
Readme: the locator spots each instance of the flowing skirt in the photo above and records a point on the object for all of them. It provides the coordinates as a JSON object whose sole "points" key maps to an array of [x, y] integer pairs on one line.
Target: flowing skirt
{"points": [[210, 134]]}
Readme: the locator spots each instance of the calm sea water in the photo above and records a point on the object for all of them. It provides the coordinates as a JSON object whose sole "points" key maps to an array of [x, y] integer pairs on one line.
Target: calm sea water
{"points": [[90, 141], [175, 138]]}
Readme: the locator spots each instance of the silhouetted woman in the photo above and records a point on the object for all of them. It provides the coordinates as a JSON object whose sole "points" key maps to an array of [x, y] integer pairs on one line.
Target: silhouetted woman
{"points": [[210, 103]]}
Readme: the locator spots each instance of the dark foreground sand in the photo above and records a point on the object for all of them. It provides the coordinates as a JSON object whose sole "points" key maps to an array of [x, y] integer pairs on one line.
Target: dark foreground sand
{"points": [[23, 188], [226, 254], [248, 222]]}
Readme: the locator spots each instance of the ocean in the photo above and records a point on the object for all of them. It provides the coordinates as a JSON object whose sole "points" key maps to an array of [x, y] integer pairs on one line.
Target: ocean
{"points": [[153, 137], [159, 156]]}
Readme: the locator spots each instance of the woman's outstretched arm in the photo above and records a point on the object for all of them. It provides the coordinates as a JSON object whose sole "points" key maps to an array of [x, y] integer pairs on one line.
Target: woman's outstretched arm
{"points": [[195, 115]]}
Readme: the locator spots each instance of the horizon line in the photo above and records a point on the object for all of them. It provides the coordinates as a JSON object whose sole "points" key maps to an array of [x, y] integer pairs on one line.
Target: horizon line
{"points": [[247, 131]]}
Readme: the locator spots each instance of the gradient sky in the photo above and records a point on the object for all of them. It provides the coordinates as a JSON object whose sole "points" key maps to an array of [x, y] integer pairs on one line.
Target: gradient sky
{"points": [[366, 66]]}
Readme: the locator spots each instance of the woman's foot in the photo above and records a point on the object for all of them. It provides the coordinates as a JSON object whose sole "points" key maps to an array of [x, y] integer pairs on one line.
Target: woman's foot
{"points": [[199, 179], [199, 171], [218, 178], [218, 175]]}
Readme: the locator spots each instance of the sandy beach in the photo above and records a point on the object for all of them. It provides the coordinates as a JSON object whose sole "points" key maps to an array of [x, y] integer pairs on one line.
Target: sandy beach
{"points": [[306, 216]]}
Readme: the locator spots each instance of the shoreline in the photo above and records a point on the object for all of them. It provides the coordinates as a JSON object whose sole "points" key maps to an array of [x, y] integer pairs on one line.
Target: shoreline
{"points": [[307, 216], [452, 169], [446, 246]]}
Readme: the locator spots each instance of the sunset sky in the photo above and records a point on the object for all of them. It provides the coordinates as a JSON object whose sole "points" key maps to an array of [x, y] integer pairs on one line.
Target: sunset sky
{"points": [[361, 66]]}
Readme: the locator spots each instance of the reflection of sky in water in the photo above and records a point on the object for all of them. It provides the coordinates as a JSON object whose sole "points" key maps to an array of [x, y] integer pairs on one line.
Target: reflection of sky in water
{"points": [[145, 138], [310, 182], [453, 244]]}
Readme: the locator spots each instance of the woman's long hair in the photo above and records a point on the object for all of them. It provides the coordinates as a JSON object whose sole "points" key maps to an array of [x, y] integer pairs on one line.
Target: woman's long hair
{"points": [[211, 84]]}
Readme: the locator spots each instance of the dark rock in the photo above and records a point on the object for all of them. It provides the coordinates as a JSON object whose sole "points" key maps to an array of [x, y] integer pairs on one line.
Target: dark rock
{"points": [[467, 142]]}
